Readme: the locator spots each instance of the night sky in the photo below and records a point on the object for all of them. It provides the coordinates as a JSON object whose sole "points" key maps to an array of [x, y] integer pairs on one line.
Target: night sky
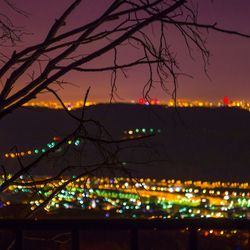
{"points": [[229, 68]]}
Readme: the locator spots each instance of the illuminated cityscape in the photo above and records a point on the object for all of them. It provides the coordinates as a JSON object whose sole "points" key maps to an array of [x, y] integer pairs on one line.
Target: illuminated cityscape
{"points": [[129, 197], [171, 103], [142, 198], [124, 125]]}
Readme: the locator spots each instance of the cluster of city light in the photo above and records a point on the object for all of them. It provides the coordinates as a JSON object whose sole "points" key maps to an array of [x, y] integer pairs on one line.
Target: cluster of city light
{"points": [[141, 131], [144, 198], [57, 105], [38, 151], [206, 104], [171, 103], [197, 103]]}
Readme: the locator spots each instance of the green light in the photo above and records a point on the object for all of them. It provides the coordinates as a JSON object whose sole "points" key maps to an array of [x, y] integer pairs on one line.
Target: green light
{"points": [[51, 145], [77, 142], [137, 130], [143, 130], [43, 150], [151, 130], [36, 151]]}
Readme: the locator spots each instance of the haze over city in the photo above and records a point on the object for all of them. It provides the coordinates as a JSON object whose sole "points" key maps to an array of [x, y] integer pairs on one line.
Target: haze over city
{"points": [[227, 73]]}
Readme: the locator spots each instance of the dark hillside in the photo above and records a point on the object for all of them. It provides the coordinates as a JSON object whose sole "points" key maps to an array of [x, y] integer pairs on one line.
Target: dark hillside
{"points": [[195, 143]]}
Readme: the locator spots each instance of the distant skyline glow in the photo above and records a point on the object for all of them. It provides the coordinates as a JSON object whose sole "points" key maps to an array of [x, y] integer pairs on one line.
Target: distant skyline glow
{"points": [[229, 63]]}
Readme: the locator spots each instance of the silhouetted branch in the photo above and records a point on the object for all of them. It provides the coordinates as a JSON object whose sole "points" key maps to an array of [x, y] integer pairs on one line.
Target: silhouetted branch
{"points": [[124, 24]]}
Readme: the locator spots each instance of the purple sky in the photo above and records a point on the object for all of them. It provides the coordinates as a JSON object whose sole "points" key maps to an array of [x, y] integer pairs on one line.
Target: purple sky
{"points": [[229, 67]]}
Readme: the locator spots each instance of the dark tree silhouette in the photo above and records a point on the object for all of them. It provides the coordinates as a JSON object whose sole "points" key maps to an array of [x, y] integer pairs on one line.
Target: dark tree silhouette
{"points": [[125, 23], [10, 33]]}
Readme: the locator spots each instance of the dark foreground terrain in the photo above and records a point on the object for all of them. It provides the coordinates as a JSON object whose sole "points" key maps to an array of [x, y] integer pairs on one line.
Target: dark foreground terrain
{"points": [[188, 143]]}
